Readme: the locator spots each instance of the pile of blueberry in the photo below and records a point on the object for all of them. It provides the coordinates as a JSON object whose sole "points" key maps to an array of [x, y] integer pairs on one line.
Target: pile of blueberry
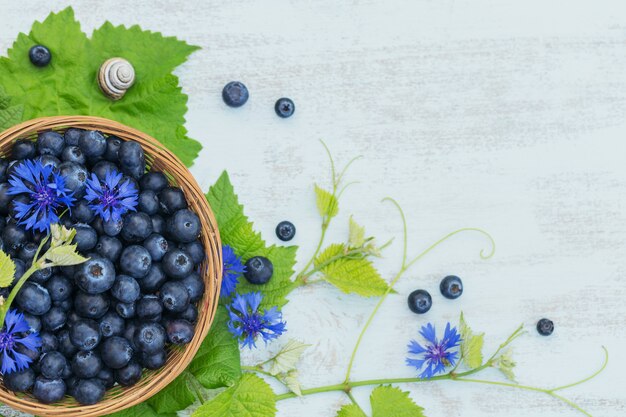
{"points": [[105, 320]]}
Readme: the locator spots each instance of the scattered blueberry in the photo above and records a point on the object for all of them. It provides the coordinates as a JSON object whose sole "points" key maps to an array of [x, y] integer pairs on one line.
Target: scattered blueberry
{"points": [[285, 231], [420, 301], [259, 270], [284, 107], [235, 94], [39, 55], [451, 287], [545, 327]]}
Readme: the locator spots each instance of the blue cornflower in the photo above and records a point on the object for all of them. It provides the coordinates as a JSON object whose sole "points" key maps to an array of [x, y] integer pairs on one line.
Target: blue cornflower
{"points": [[14, 333], [247, 322], [232, 270], [436, 355], [46, 191], [111, 198]]}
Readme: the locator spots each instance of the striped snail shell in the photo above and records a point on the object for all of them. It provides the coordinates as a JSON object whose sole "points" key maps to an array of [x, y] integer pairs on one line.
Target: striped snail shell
{"points": [[116, 76]]}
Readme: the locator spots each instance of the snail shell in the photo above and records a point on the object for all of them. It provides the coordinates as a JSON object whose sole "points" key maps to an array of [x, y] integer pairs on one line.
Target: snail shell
{"points": [[116, 76]]}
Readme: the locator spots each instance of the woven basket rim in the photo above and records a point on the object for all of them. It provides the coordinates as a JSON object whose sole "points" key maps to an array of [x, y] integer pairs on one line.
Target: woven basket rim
{"points": [[152, 382]]}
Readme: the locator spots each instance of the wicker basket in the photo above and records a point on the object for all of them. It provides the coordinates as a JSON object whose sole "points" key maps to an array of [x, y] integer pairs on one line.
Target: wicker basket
{"points": [[152, 382]]}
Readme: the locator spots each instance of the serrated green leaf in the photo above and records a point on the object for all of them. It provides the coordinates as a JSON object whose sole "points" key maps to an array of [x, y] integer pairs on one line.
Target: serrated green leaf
{"points": [[471, 345], [140, 410], [7, 270], [350, 410], [174, 397], [237, 232], [287, 357], [327, 204], [217, 363], [68, 86], [64, 255], [356, 235], [292, 382], [250, 397], [388, 401], [505, 364]]}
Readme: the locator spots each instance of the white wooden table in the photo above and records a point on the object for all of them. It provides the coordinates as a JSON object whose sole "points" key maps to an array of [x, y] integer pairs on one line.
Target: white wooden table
{"points": [[506, 115]]}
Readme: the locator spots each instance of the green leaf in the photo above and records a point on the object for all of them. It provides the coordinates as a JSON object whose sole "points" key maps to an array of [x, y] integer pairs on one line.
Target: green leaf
{"points": [[140, 410], [291, 381], [388, 401], [9, 115], [327, 204], [64, 255], [7, 270], [471, 345], [357, 234], [237, 232], [68, 86], [287, 357], [217, 363], [174, 397], [350, 275], [505, 364], [250, 397], [350, 410]]}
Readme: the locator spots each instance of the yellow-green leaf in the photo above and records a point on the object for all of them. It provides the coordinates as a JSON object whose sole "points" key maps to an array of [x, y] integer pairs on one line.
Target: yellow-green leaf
{"points": [[357, 234], [327, 204], [388, 401], [350, 410], [505, 364], [64, 255], [357, 276], [471, 345], [7, 270], [287, 358]]}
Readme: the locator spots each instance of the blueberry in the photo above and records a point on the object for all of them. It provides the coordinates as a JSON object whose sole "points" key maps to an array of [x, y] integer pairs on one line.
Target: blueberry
{"points": [[545, 327], [116, 352], [39, 55], [259, 270], [195, 286], [148, 202], [50, 143], [49, 391], [171, 199], [155, 360], [132, 159], [49, 342], [195, 250], [235, 94], [284, 107], [111, 324], [150, 337], [33, 355], [112, 227], [70, 384], [129, 333], [174, 296], [65, 344], [109, 247], [126, 310], [154, 279], [102, 168], [98, 225], [41, 276], [113, 146], [85, 238], [51, 365], [135, 261], [128, 375], [88, 391], [158, 223], [153, 181], [50, 160], [157, 246], [73, 154], [34, 322], [285, 230], [5, 199], [125, 289], [190, 314], [149, 308], [91, 306], [85, 334], [27, 251], [92, 143], [82, 213], [179, 332], [106, 377], [59, 288], [33, 299], [54, 319], [177, 263], [451, 287], [4, 164], [19, 381], [75, 177], [13, 237], [137, 227], [420, 301], [96, 275], [86, 364], [72, 135], [183, 226], [65, 305]]}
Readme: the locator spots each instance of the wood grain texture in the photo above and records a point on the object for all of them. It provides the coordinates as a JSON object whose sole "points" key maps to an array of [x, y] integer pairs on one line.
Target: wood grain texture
{"points": [[505, 115]]}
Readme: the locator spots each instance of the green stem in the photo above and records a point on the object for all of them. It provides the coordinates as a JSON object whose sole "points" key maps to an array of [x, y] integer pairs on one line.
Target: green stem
{"points": [[257, 369], [590, 377], [7, 303], [349, 394]]}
